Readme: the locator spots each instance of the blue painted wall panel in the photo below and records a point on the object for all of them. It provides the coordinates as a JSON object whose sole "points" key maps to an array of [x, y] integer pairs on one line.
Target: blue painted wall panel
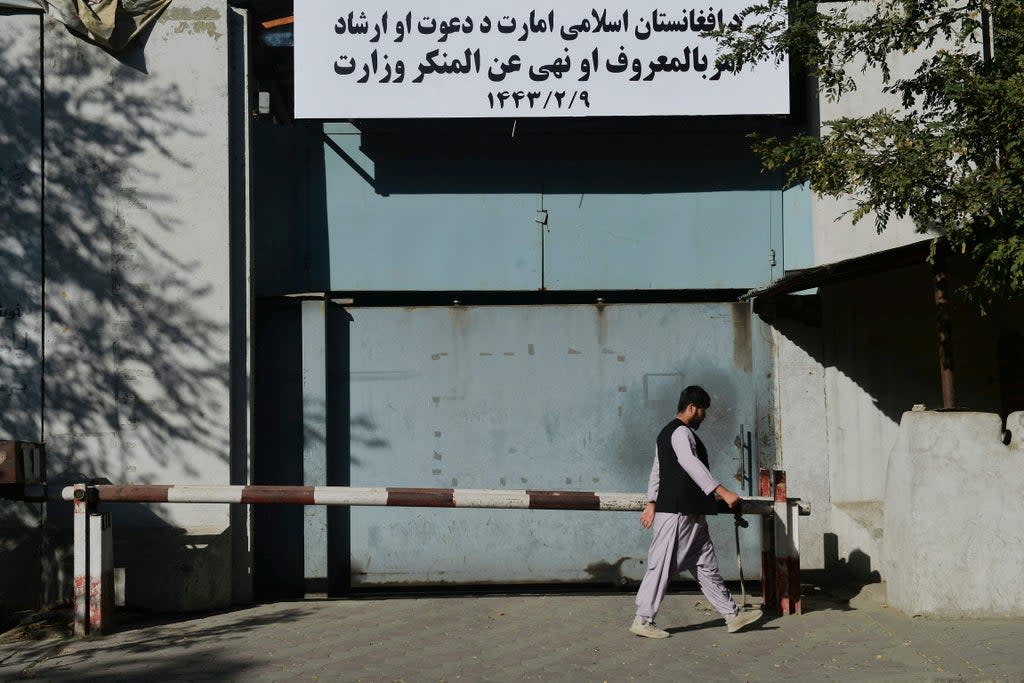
{"points": [[683, 240], [423, 240], [443, 211], [798, 227], [554, 397]]}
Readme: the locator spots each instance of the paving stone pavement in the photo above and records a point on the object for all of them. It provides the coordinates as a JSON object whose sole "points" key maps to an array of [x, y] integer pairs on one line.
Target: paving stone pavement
{"points": [[523, 637]]}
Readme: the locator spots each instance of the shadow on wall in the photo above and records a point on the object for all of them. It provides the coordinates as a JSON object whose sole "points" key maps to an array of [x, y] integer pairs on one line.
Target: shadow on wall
{"points": [[137, 320], [880, 333], [857, 567], [144, 360], [590, 156], [135, 372], [870, 351]]}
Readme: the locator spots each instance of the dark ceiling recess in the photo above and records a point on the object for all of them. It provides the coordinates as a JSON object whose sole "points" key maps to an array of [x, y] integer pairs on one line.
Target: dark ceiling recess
{"points": [[271, 68]]}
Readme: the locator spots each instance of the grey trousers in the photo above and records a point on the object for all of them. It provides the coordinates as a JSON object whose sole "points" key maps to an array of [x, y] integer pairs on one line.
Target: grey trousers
{"points": [[682, 542]]}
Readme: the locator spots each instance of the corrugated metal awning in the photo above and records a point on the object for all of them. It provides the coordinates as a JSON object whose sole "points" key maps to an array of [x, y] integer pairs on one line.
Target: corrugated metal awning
{"points": [[841, 271]]}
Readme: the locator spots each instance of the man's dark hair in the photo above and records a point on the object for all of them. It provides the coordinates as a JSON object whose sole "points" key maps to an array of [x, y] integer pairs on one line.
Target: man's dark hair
{"points": [[695, 395]]}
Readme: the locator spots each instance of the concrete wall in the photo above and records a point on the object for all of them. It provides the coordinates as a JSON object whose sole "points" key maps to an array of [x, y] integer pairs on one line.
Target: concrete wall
{"points": [[849, 362], [21, 263], [124, 226], [801, 424], [954, 516], [881, 355], [835, 236], [846, 373]]}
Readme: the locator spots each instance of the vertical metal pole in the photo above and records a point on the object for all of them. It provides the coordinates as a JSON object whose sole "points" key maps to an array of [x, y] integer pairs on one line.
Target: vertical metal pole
{"points": [[241, 296], [339, 447], [750, 463], [987, 46], [81, 560], [945, 329], [739, 559]]}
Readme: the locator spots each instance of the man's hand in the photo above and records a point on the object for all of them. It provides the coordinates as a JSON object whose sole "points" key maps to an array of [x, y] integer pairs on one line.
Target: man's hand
{"points": [[730, 498], [647, 516]]}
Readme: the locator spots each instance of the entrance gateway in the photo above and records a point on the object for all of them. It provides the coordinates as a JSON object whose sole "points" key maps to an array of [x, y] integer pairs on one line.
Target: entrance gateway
{"points": [[552, 389], [468, 352]]}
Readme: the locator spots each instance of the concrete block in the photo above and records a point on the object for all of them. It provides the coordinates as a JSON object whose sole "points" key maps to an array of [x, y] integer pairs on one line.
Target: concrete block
{"points": [[870, 596], [954, 516]]}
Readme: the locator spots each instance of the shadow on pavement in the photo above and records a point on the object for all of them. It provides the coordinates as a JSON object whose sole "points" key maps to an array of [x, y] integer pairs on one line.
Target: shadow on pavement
{"points": [[842, 596], [158, 647], [206, 665], [713, 623], [719, 623], [129, 622]]}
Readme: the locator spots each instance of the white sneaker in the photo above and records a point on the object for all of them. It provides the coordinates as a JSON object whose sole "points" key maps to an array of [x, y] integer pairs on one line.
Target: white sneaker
{"points": [[647, 629], [743, 619]]}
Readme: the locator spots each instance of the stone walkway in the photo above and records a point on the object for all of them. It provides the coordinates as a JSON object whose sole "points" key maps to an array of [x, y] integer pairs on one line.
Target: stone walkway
{"points": [[545, 637]]}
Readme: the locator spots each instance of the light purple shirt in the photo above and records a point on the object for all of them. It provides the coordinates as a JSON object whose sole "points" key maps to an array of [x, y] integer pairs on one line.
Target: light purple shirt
{"points": [[684, 443]]}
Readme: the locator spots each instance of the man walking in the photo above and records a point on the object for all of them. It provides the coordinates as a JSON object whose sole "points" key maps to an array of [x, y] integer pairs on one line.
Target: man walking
{"points": [[680, 491]]}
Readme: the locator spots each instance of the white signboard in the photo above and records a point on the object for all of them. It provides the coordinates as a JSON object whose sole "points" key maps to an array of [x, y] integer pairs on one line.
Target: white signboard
{"points": [[491, 58]]}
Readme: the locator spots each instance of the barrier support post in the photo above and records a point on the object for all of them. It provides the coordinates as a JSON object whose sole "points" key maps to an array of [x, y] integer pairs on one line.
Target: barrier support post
{"points": [[768, 585], [793, 560], [786, 550], [93, 564], [101, 573], [82, 508]]}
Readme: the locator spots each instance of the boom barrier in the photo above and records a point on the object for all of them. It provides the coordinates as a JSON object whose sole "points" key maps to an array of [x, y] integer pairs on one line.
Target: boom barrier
{"points": [[93, 551]]}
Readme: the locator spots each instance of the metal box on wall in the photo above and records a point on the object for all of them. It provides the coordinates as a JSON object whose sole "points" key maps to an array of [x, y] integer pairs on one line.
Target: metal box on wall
{"points": [[22, 462]]}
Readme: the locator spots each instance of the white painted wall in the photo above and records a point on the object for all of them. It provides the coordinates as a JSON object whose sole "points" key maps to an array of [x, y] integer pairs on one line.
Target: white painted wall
{"points": [[835, 236], [137, 288], [137, 257], [802, 427], [134, 198], [20, 289]]}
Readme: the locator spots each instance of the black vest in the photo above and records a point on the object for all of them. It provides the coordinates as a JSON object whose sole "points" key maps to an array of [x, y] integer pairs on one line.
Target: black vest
{"points": [[677, 492]]}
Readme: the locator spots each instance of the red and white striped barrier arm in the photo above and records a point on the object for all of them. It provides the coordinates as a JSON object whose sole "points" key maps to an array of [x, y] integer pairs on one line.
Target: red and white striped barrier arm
{"points": [[93, 540], [388, 496], [349, 495]]}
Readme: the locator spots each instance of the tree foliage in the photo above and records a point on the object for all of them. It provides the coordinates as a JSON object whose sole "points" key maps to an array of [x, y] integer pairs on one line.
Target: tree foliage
{"points": [[947, 153]]}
